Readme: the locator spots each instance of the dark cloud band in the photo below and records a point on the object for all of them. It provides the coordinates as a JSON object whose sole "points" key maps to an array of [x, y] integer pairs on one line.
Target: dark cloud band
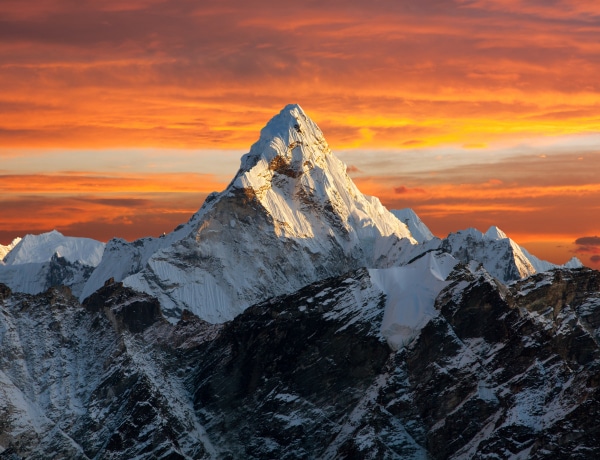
{"points": [[588, 241]]}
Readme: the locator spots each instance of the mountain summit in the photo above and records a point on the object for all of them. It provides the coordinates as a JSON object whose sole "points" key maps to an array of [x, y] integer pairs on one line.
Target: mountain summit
{"points": [[290, 216], [293, 174]]}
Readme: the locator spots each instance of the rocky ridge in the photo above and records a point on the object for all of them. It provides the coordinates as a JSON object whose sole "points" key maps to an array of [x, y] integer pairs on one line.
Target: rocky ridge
{"points": [[502, 372]]}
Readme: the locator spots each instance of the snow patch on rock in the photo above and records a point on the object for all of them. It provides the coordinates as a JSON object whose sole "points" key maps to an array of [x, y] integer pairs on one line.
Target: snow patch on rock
{"points": [[410, 295]]}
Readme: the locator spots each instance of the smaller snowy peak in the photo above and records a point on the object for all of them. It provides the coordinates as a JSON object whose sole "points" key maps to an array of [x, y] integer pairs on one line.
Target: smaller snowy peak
{"points": [[470, 232], [494, 233], [418, 229], [4, 250], [42, 248], [502, 257], [573, 262]]}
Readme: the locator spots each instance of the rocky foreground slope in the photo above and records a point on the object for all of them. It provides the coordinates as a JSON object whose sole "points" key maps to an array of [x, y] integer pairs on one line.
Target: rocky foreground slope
{"points": [[498, 373]]}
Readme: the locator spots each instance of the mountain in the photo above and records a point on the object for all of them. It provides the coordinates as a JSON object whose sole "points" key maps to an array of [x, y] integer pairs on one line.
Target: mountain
{"points": [[41, 248], [38, 262], [296, 198], [501, 256], [81, 382], [291, 195]]}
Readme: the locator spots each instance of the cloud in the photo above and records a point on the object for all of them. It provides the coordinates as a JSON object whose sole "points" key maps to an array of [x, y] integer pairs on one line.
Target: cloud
{"points": [[588, 241], [589, 245], [402, 190], [82, 182], [101, 217], [436, 73], [413, 142], [100, 205], [351, 169], [129, 203]]}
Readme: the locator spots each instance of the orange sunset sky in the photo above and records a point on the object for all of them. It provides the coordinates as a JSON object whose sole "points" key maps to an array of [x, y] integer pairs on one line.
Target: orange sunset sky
{"points": [[118, 117]]}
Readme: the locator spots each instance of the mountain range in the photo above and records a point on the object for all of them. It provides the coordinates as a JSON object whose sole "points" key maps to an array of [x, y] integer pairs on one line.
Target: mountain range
{"points": [[294, 317]]}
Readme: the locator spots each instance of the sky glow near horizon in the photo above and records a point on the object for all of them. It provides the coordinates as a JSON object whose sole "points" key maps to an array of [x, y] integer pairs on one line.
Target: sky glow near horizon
{"points": [[117, 118]]}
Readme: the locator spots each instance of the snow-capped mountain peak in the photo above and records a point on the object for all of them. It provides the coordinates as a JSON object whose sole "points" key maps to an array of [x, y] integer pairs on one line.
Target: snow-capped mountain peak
{"points": [[41, 248], [290, 216], [494, 233], [502, 257], [573, 262], [292, 172], [279, 141]]}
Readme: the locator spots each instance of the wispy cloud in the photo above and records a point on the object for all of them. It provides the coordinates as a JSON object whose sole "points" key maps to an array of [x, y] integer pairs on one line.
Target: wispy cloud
{"points": [[589, 247], [437, 84], [100, 205], [135, 73]]}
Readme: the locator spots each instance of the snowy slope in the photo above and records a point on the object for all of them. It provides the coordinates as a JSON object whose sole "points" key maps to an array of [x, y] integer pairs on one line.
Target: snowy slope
{"points": [[121, 258], [410, 293], [543, 265], [6, 249], [418, 229], [290, 216], [33, 278]]}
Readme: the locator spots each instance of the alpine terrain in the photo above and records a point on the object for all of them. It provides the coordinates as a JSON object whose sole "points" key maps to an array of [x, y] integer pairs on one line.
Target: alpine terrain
{"points": [[294, 317]]}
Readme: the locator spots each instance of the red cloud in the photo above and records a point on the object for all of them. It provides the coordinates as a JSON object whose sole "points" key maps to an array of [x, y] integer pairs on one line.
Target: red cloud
{"points": [[588, 241], [589, 245], [402, 190]]}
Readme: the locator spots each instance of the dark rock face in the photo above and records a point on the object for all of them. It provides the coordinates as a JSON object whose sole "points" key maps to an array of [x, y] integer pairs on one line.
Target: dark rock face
{"points": [[279, 380], [491, 378], [501, 372], [126, 308], [5, 291], [60, 272]]}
